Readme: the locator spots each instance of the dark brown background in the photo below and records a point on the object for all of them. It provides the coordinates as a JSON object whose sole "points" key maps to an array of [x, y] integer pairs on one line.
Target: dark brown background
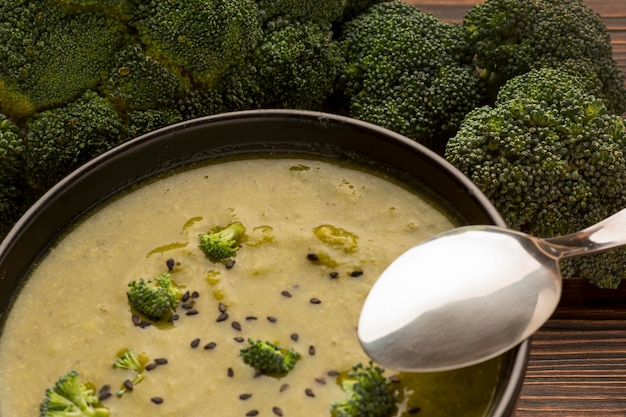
{"points": [[578, 359]]}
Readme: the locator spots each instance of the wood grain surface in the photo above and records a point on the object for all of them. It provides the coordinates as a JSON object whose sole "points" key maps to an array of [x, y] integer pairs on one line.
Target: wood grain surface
{"points": [[577, 366]]}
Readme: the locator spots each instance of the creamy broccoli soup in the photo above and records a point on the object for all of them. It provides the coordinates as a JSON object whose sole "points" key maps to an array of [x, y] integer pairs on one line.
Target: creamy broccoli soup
{"points": [[287, 284]]}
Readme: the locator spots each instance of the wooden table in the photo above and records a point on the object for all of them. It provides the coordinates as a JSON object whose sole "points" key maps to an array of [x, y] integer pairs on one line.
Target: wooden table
{"points": [[578, 359]]}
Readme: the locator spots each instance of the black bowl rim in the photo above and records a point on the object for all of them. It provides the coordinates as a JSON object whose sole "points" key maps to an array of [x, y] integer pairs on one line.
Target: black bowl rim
{"points": [[520, 354]]}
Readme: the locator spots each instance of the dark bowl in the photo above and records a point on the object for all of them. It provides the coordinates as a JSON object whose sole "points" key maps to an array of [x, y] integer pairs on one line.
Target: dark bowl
{"points": [[239, 134]]}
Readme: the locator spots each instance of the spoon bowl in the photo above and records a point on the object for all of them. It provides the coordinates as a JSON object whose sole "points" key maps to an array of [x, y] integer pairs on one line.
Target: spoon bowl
{"points": [[470, 294]]}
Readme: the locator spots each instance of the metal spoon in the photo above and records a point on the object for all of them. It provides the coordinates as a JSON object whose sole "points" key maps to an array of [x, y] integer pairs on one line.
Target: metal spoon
{"points": [[470, 294]]}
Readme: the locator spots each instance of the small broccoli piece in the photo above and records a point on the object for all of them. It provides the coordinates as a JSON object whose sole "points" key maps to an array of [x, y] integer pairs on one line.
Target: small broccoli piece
{"points": [[49, 56], [321, 11], [269, 358], [201, 37], [551, 158], [224, 243], [71, 398], [409, 72], [128, 359], [513, 36], [140, 82], [154, 299], [145, 121], [369, 394], [61, 139], [294, 66]]}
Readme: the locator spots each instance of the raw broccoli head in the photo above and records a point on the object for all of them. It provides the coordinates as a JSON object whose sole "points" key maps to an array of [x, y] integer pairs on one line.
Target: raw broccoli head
{"points": [[269, 358], [154, 298], [552, 159], [321, 11], [61, 139], [294, 66], [139, 82], [202, 38], [409, 72], [369, 394], [513, 36], [49, 56], [220, 244], [71, 398]]}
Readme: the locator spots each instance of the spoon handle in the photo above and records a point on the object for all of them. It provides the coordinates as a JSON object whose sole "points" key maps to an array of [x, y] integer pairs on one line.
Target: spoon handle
{"points": [[607, 234]]}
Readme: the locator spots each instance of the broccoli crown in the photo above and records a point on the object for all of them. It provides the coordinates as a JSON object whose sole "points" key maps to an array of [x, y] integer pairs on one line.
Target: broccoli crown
{"points": [[369, 394], [140, 82], [71, 398], [223, 243], [61, 139], [410, 72], [551, 158], [269, 358], [513, 36], [49, 56], [295, 65], [154, 299], [201, 37], [321, 11], [144, 121]]}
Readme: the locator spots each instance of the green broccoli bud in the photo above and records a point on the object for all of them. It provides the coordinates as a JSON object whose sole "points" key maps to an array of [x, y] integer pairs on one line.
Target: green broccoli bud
{"points": [[223, 243], [154, 299], [269, 358], [71, 398], [369, 394]]}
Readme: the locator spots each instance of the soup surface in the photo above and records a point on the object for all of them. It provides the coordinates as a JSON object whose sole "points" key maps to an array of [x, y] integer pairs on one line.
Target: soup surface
{"points": [[73, 312]]}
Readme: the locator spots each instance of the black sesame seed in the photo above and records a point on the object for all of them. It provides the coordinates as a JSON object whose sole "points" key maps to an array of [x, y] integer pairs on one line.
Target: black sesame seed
{"points": [[283, 387], [245, 396], [394, 378], [136, 319], [210, 345], [334, 274], [286, 293], [315, 301], [258, 374], [170, 264], [229, 264], [272, 319], [236, 325], [321, 381], [277, 411], [144, 324], [195, 294], [230, 372], [222, 307], [161, 361], [332, 373], [173, 318], [252, 413], [104, 388], [222, 317], [195, 343], [356, 273], [312, 257], [309, 392], [294, 337], [311, 350], [192, 312], [250, 318], [151, 366], [128, 384], [186, 306], [185, 297], [414, 410], [104, 396], [157, 400], [239, 339]]}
